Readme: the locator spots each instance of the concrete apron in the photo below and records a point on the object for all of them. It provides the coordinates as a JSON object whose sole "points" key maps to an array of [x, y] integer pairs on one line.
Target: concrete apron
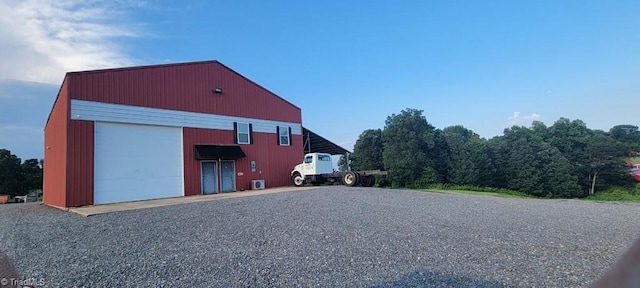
{"points": [[125, 206]]}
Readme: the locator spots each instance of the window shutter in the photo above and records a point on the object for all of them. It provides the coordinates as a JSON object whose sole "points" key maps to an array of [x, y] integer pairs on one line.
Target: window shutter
{"points": [[250, 133], [278, 134], [235, 132], [290, 138]]}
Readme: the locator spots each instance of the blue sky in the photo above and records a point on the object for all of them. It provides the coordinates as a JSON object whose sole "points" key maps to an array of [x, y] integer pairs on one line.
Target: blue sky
{"points": [[486, 65]]}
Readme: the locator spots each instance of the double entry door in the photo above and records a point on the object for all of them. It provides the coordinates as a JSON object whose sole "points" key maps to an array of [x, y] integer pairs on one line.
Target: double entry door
{"points": [[218, 176]]}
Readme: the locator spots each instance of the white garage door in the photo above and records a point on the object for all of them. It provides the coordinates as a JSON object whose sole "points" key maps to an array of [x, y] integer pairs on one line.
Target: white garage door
{"points": [[136, 162]]}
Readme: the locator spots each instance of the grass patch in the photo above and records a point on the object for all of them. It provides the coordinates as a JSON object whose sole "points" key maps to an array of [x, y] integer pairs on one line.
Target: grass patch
{"points": [[616, 194], [477, 193], [474, 190], [635, 159]]}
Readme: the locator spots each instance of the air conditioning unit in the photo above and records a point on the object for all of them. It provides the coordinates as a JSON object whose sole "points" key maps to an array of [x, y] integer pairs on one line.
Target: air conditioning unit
{"points": [[257, 184]]}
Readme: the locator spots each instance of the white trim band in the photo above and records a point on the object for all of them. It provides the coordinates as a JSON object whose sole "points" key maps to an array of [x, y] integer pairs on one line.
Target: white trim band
{"points": [[98, 111]]}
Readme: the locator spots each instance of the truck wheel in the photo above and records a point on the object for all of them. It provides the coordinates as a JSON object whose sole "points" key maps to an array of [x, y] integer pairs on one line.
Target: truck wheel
{"points": [[350, 178], [297, 179], [368, 181]]}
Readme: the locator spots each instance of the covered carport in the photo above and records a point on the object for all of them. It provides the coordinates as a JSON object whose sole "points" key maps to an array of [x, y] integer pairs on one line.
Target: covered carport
{"points": [[314, 143]]}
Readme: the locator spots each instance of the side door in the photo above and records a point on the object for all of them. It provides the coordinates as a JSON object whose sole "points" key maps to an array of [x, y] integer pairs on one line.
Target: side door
{"points": [[228, 176], [308, 168]]}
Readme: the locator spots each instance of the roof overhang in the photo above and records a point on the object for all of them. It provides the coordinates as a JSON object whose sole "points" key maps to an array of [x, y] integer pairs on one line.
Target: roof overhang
{"points": [[314, 143], [215, 152]]}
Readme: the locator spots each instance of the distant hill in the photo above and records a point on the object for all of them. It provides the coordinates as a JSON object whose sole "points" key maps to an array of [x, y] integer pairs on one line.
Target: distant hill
{"points": [[24, 108]]}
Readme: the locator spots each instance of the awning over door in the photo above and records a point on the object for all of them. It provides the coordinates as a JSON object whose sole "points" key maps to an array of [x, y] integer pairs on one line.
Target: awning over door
{"points": [[215, 152], [315, 143]]}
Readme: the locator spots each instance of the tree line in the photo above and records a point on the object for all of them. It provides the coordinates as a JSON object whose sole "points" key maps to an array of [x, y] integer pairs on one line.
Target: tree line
{"points": [[17, 178], [565, 160]]}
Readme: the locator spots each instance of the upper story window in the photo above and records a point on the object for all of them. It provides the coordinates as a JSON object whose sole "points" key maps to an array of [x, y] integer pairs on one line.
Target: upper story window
{"points": [[243, 133], [284, 135]]}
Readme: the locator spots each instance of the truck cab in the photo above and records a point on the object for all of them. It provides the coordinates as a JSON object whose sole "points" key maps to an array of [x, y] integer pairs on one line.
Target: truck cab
{"points": [[312, 168], [317, 168]]}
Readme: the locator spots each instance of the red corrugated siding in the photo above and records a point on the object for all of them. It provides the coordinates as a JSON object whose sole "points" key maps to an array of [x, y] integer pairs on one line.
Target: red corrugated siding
{"points": [[274, 161], [185, 87], [80, 157], [55, 150]]}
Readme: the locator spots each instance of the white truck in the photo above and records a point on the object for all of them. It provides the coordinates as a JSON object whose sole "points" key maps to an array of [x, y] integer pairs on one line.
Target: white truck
{"points": [[317, 169]]}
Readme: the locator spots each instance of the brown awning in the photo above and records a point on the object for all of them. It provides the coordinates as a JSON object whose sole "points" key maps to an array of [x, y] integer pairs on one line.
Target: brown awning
{"points": [[215, 152]]}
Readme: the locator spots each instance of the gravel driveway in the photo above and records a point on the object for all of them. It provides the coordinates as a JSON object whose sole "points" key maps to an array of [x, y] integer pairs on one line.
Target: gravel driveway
{"points": [[331, 236]]}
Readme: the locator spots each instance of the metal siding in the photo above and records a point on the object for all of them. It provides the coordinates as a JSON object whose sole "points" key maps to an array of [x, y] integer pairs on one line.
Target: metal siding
{"points": [[191, 137], [81, 160], [274, 161], [185, 87], [55, 150]]}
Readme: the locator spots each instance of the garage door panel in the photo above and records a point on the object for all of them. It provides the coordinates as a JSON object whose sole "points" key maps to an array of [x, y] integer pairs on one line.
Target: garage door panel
{"points": [[127, 190], [137, 162]]}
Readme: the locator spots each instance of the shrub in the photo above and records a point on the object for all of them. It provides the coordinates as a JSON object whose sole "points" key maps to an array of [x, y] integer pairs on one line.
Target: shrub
{"points": [[442, 186], [382, 181], [616, 194]]}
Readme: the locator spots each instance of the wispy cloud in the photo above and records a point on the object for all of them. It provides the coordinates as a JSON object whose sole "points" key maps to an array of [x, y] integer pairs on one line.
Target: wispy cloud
{"points": [[518, 119], [40, 40]]}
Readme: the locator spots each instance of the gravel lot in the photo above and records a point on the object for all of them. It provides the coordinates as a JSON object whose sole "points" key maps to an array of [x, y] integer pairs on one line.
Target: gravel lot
{"points": [[331, 236]]}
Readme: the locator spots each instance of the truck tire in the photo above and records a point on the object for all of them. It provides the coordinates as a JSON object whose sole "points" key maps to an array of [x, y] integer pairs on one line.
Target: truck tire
{"points": [[297, 180], [350, 178], [368, 181]]}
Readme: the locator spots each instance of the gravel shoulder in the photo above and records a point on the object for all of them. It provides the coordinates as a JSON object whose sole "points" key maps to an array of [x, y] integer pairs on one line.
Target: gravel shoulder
{"points": [[330, 236]]}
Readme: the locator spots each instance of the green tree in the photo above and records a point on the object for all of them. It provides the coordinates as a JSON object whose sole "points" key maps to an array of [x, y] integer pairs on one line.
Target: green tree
{"points": [[462, 168], [30, 176], [521, 165], [406, 138], [540, 129], [497, 153], [571, 139], [605, 156], [627, 134], [559, 179], [438, 156], [481, 156], [9, 173], [367, 152], [535, 167]]}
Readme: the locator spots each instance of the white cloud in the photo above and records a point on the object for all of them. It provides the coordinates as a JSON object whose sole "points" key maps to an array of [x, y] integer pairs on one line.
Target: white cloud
{"points": [[518, 119], [40, 40]]}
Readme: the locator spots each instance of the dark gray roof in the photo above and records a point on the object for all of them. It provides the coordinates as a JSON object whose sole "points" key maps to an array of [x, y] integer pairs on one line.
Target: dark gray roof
{"points": [[314, 143]]}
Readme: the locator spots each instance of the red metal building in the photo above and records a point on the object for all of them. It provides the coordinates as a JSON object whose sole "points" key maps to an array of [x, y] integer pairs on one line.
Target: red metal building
{"points": [[161, 131]]}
